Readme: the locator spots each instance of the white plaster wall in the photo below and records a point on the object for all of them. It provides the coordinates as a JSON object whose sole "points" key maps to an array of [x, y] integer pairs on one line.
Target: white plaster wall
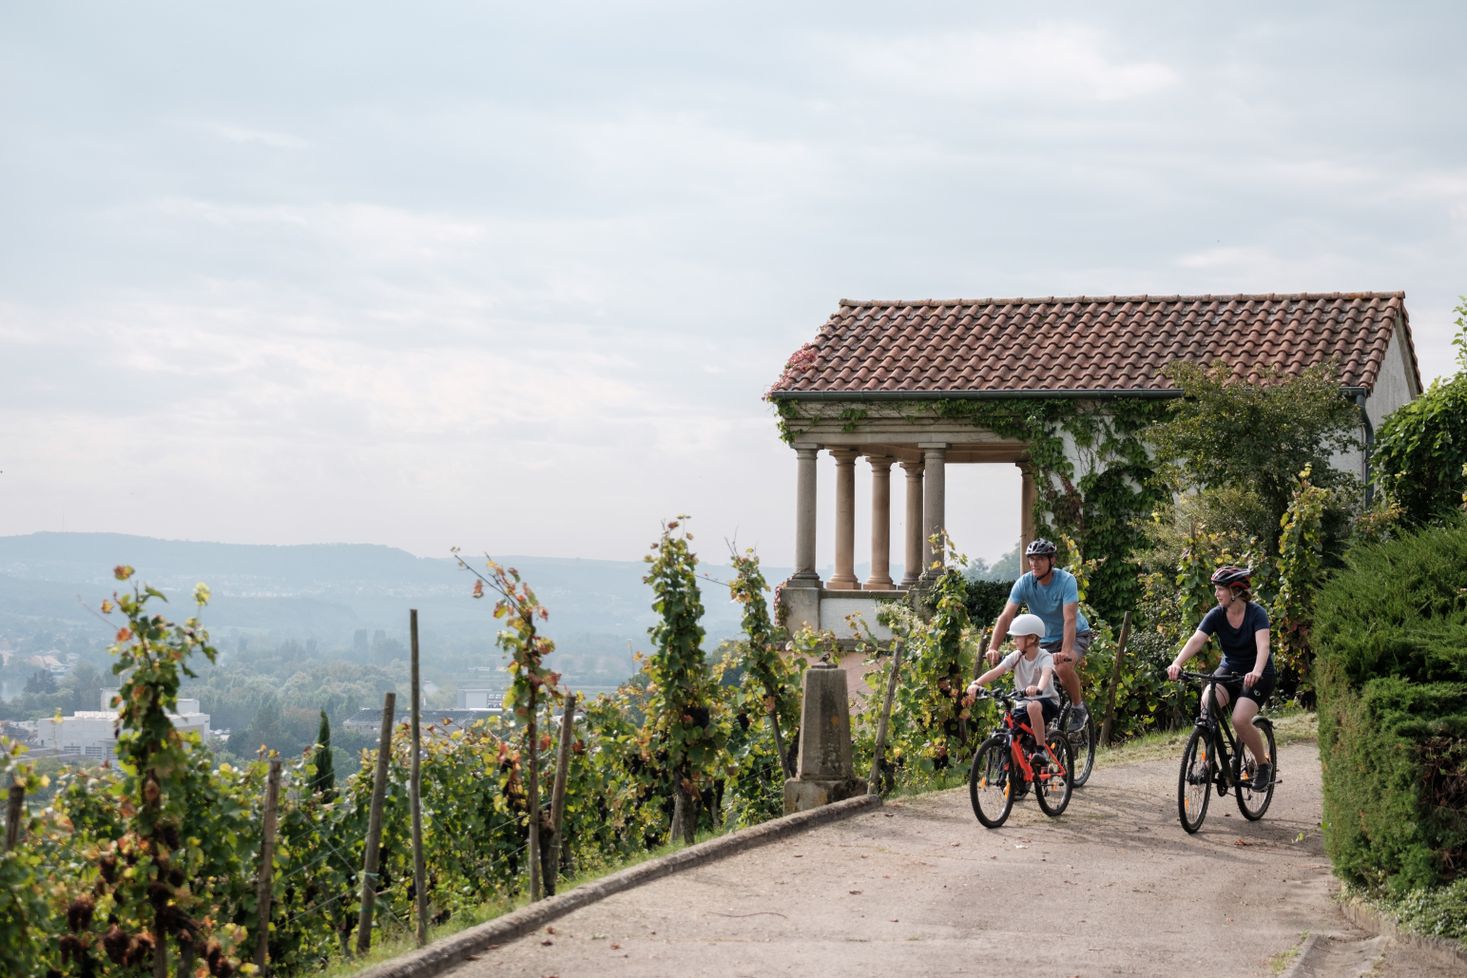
{"points": [[1396, 384], [833, 612]]}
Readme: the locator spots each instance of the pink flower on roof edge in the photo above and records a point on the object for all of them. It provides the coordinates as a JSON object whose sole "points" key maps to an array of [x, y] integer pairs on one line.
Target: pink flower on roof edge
{"points": [[800, 362]]}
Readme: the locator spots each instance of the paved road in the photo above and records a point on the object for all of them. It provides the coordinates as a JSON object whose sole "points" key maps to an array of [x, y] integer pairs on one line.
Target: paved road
{"points": [[1112, 887]]}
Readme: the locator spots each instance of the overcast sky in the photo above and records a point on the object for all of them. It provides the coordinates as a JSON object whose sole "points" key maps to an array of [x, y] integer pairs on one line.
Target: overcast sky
{"points": [[515, 276]]}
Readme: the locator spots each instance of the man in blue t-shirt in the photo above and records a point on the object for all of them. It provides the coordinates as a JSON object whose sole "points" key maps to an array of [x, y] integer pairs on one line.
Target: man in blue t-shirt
{"points": [[1051, 593]]}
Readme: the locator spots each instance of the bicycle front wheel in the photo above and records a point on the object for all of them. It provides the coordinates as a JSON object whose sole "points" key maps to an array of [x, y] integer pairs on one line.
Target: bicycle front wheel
{"points": [[990, 782], [1253, 798], [1054, 781], [1194, 783]]}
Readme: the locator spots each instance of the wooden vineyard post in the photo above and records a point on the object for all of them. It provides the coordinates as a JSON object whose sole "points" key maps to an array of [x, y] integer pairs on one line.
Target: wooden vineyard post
{"points": [[374, 827], [872, 786], [13, 810], [1115, 679], [532, 748], [557, 793], [415, 789], [266, 875], [980, 664]]}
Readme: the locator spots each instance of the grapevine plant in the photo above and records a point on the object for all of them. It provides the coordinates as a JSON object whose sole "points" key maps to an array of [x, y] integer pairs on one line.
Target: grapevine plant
{"points": [[681, 736], [761, 756]]}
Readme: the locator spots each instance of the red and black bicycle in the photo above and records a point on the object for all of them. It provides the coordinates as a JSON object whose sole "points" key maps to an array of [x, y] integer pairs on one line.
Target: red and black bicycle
{"points": [[1008, 762]]}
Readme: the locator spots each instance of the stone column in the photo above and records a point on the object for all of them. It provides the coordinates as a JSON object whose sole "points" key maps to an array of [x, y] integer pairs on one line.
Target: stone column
{"points": [[913, 569], [805, 575], [844, 578], [880, 522], [934, 515], [1027, 495]]}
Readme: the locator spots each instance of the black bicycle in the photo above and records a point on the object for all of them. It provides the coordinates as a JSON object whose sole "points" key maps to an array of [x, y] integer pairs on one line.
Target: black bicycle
{"points": [[1215, 758], [1082, 741], [1006, 764]]}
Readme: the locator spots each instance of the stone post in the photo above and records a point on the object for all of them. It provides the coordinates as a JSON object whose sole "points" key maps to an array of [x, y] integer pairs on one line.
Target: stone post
{"points": [[880, 578], [913, 570], [844, 578], [825, 772]]}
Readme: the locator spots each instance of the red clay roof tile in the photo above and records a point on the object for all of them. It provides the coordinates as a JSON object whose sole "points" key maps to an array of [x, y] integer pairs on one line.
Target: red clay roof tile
{"points": [[1086, 343]]}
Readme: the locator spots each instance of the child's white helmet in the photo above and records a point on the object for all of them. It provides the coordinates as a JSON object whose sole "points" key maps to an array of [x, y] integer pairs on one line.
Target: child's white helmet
{"points": [[1027, 625]]}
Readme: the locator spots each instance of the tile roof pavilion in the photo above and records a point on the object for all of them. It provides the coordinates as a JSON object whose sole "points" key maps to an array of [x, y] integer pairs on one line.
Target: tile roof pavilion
{"points": [[853, 393], [1088, 344]]}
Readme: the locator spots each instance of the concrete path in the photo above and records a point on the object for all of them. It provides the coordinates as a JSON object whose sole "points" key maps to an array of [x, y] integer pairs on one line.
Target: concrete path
{"points": [[1112, 887]]}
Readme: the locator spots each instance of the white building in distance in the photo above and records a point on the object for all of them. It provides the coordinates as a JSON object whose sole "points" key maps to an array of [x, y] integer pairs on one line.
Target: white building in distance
{"points": [[93, 733]]}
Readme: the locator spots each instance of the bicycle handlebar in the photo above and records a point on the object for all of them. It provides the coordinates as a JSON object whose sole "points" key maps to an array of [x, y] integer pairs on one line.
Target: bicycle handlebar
{"points": [[998, 694], [1232, 679]]}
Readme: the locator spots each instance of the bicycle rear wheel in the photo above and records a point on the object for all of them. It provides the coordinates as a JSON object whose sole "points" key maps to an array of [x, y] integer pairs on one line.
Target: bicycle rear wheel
{"points": [[1194, 783], [1082, 746], [1253, 799], [990, 786], [1053, 786]]}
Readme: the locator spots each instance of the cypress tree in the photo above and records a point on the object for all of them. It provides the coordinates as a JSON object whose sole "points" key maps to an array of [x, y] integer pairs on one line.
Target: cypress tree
{"points": [[324, 782]]}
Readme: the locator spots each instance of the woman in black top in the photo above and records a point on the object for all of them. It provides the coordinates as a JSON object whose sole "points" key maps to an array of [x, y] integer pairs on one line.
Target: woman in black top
{"points": [[1241, 627]]}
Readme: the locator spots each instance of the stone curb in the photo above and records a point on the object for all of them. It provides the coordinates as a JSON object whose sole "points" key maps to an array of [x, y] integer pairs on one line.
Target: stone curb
{"points": [[1453, 954], [444, 954], [1295, 968]]}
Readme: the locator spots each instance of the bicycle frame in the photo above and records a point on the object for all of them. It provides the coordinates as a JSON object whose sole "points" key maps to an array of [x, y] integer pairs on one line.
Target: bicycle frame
{"points": [[1219, 727]]}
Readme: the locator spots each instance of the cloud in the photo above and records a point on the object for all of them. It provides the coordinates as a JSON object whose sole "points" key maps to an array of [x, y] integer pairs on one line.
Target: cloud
{"points": [[1050, 62], [247, 136], [1228, 259]]}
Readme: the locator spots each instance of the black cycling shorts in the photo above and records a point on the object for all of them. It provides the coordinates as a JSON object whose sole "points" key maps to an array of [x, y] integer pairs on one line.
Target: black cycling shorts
{"points": [[1261, 690], [1049, 705]]}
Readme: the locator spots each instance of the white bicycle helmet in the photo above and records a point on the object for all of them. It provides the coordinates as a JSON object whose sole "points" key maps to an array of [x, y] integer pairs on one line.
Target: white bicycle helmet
{"points": [[1027, 625]]}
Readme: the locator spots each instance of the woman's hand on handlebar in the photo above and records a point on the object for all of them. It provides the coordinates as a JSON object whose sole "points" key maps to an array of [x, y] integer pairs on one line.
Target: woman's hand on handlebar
{"points": [[1174, 671]]}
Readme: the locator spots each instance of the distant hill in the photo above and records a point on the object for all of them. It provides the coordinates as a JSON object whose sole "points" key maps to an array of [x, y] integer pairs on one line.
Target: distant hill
{"points": [[328, 594]]}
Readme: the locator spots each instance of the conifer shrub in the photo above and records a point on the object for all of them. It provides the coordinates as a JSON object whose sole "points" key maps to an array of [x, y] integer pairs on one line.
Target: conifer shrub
{"points": [[1390, 637]]}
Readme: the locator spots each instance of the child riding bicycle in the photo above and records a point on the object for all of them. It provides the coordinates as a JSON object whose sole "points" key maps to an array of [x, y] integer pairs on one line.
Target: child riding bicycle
{"points": [[1033, 670], [1241, 627]]}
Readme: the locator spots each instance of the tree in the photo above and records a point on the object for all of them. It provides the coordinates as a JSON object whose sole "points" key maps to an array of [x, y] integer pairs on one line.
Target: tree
{"points": [[1002, 568], [324, 781], [1420, 453], [41, 682], [1250, 440]]}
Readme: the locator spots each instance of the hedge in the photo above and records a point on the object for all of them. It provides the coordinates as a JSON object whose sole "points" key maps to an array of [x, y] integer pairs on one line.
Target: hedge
{"points": [[1390, 633]]}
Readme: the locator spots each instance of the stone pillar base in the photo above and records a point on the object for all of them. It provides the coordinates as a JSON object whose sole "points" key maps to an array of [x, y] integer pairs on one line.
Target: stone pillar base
{"points": [[801, 796], [801, 605]]}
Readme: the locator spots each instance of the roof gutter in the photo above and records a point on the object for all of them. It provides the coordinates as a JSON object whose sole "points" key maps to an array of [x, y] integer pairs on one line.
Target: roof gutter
{"points": [[1358, 393]]}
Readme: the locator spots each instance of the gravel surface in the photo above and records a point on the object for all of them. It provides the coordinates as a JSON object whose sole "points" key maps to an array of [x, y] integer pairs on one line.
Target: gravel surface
{"points": [[1111, 887]]}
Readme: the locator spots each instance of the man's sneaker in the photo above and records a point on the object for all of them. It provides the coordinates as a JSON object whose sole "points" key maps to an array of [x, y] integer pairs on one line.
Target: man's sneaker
{"points": [[1262, 777], [1079, 716]]}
